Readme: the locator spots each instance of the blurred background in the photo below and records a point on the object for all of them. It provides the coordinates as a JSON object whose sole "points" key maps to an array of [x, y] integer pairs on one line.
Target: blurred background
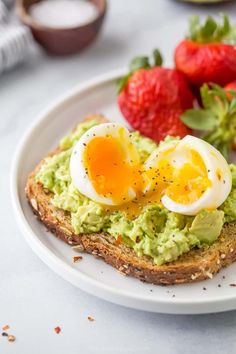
{"points": [[44, 52]]}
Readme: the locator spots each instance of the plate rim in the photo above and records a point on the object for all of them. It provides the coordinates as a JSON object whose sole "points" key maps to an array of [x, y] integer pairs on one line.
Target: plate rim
{"points": [[93, 286]]}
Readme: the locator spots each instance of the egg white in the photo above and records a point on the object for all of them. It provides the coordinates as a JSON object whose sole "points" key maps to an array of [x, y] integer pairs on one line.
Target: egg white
{"points": [[78, 173]]}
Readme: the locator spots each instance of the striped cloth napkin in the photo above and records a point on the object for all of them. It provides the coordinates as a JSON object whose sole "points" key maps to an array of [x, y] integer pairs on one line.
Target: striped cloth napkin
{"points": [[15, 39]]}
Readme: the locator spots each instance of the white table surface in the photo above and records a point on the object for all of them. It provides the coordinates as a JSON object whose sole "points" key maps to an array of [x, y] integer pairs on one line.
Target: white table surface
{"points": [[33, 300]]}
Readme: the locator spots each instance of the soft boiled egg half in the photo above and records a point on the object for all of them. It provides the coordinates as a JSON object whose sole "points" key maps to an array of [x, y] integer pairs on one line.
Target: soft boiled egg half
{"points": [[104, 165], [192, 174], [185, 175]]}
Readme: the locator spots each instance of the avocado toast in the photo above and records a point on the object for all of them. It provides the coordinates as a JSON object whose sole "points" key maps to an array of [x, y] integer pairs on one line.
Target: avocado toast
{"points": [[193, 265]]}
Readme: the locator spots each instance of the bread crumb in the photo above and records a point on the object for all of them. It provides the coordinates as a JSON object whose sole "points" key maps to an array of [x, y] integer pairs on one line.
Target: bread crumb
{"points": [[121, 270], [91, 319], [67, 232], [11, 338], [194, 276], [5, 328], [231, 250], [79, 248], [77, 259], [96, 253], [222, 256], [209, 274], [70, 240], [34, 204]]}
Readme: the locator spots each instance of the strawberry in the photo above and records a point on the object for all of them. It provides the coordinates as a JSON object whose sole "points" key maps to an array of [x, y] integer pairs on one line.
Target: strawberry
{"points": [[230, 86], [152, 98], [207, 54]]}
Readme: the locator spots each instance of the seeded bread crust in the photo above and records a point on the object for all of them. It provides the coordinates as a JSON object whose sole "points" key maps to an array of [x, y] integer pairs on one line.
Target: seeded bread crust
{"points": [[196, 265]]}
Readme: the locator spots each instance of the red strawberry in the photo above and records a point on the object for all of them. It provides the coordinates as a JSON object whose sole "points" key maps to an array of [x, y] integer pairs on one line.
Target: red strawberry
{"points": [[230, 86], [153, 98], [206, 55]]}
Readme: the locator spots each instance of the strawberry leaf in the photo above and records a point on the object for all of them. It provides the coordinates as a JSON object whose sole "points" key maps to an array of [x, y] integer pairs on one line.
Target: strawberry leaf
{"points": [[194, 24], [158, 60], [122, 82], [218, 91], [225, 28], [199, 119], [230, 38], [139, 63], [211, 31], [232, 106], [209, 28], [217, 117], [207, 98]]}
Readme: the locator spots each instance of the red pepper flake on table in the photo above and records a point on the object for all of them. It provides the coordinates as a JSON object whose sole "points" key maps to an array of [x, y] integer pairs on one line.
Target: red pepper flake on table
{"points": [[11, 338], [57, 329], [77, 259], [5, 328], [91, 319]]}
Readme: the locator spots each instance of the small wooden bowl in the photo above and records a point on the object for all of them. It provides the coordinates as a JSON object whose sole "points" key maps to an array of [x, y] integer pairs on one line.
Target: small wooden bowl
{"points": [[61, 41]]}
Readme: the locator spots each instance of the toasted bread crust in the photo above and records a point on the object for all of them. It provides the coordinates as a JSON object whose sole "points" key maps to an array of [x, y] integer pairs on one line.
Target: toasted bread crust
{"points": [[196, 265]]}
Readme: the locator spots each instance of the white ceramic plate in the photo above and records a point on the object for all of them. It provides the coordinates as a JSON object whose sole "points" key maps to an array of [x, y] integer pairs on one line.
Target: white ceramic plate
{"points": [[93, 275]]}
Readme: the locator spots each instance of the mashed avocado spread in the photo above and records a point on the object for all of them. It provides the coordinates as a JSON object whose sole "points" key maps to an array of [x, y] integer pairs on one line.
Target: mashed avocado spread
{"points": [[155, 232]]}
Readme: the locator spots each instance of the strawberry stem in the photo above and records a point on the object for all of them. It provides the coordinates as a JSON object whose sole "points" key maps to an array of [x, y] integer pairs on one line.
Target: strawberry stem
{"points": [[140, 63], [211, 31], [158, 60]]}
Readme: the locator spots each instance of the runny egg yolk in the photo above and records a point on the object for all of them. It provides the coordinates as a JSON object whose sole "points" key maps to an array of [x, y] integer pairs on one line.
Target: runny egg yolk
{"points": [[111, 169], [185, 184], [113, 174], [190, 181]]}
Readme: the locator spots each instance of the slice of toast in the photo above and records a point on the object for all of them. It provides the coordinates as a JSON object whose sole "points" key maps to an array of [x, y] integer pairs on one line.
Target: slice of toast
{"points": [[198, 264]]}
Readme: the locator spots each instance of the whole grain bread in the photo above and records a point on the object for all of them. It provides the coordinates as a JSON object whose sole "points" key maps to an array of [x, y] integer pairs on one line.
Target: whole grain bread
{"points": [[196, 265]]}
